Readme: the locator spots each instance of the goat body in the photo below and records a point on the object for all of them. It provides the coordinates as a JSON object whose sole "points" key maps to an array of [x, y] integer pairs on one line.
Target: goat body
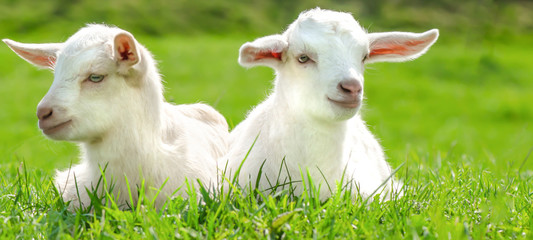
{"points": [[107, 96], [312, 119]]}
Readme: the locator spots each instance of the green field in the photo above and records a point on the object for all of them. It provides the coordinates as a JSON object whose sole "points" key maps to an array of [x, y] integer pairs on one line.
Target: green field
{"points": [[459, 119]]}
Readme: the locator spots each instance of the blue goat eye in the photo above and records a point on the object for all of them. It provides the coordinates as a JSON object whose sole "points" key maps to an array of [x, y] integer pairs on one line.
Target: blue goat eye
{"points": [[96, 78], [303, 58]]}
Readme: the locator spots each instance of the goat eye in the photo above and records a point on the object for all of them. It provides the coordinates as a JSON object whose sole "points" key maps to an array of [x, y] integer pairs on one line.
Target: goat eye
{"points": [[303, 58], [365, 57], [96, 78]]}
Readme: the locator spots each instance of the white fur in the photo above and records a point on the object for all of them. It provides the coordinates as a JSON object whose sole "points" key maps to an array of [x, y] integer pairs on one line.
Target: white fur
{"points": [[123, 121], [298, 122]]}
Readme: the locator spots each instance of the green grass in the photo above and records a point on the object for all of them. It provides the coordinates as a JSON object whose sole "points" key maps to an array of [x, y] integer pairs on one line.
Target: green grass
{"points": [[459, 118]]}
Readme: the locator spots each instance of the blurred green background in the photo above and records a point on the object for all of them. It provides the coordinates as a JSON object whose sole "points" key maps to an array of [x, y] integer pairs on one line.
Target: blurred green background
{"points": [[470, 96]]}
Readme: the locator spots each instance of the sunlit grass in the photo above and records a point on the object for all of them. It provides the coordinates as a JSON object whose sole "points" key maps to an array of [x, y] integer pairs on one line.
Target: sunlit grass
{"points": [[455, 200]]}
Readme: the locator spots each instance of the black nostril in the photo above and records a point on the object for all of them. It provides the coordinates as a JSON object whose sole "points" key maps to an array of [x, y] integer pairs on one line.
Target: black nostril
{"points": [[344, 89], [44, 113], [48, 115], [350, 87]]}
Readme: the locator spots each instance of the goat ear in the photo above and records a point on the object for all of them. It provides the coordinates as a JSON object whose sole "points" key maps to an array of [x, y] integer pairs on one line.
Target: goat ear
{"points": [[266, 51], [125, 49], [399, 46], [43, 55]]}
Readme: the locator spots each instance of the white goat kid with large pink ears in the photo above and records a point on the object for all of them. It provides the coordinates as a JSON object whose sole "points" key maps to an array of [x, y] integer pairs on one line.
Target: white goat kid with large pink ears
{"points": [[107, 96], [312, 117]]}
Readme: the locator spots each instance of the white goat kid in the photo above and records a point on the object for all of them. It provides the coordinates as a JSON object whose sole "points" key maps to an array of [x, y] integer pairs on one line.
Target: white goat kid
{"points": [[312, 118], [107, 96]]}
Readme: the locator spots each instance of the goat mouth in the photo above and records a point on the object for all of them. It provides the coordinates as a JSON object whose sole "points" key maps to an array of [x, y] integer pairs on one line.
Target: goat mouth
{"points": [[346, 104], [56, 128]]}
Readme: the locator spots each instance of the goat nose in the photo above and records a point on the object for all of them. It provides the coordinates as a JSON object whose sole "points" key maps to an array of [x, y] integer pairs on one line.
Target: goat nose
{"points": [[350, 87], [44, 113]]}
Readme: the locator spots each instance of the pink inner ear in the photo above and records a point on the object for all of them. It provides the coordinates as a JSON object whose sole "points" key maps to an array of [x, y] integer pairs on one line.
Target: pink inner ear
{"points": [[398, 49], [125, 51], [413, 43], [38, 59], [270, 54], [391, 49]]}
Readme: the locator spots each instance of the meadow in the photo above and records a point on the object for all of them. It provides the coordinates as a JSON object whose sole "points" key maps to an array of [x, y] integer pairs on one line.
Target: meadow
{"points": [[457, 122]]}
